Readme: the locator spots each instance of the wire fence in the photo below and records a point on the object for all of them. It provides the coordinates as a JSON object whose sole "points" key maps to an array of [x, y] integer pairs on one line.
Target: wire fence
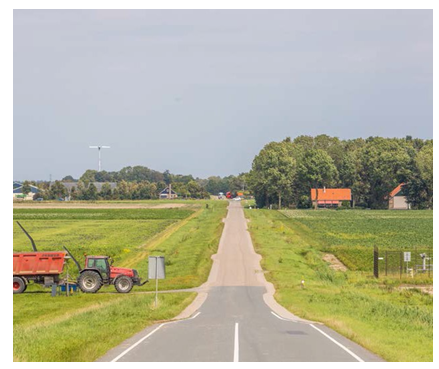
{"points": [[403, 263]]}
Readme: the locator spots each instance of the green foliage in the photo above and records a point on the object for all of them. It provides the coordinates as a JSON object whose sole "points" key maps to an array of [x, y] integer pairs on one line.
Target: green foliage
{"points": [[25, 189], [371, 168], [273, 173]]}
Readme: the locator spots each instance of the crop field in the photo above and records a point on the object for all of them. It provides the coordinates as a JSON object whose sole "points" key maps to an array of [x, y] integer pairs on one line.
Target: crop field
{"points": [[187, 237], [377, 314], [351, 235]]}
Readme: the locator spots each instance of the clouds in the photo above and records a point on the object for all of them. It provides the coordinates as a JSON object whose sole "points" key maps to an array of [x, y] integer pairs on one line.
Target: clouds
{"points": [[200, 91]]}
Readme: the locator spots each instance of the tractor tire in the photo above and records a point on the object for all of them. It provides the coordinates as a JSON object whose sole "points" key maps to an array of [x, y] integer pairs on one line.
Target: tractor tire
{"points": [[19, 285], [90, 281], [123, 284]]}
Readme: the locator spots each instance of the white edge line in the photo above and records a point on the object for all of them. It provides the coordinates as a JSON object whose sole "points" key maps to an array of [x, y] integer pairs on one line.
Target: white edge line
{"points": [[279, 317], [236, 350], [338, 344], [148, 335]]}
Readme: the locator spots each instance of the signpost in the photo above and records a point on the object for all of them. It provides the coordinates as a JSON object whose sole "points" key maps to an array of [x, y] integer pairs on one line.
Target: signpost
{"points": [[156, 270], [407, 259]]}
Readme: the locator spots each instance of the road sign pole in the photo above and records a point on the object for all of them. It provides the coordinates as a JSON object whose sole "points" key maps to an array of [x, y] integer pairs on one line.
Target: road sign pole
{"points": [[156, 279]]}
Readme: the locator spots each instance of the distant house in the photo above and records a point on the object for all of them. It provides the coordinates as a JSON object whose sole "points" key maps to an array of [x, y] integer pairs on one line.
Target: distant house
{"points": [[168, 193], [330, 197], [397, 200], [17, 191]]}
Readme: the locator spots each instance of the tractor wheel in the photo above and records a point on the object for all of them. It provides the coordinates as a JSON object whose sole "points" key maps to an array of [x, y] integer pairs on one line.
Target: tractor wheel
{"points": [[123, 284], [18, 285], [90, 281]]}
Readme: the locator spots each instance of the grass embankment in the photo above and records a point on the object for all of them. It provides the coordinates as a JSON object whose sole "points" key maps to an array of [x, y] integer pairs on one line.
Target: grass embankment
{"points": [[82, 327], [395, 324]]}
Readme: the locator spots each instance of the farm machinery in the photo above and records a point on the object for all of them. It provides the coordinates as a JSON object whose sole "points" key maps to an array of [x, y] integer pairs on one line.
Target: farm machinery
{"points": [[46, 267]]}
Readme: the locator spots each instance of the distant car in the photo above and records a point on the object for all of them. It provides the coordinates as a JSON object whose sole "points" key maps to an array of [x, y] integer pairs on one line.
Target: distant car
{"points": [[40, 199]]}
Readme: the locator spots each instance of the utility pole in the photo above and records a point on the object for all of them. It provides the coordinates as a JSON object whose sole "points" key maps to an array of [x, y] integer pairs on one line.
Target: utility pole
{"points": [[99, 154]]}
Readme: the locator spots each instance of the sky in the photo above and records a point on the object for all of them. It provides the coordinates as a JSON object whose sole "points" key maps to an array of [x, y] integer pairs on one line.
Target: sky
{"points": [[201, 92]]}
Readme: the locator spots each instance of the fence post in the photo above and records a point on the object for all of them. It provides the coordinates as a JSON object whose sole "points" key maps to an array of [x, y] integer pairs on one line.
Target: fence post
{"points": [[401, 262], [375, 262]]}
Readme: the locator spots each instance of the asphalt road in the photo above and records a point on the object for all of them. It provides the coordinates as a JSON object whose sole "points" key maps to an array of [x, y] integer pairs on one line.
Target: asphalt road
{"points": [[238, 319]]}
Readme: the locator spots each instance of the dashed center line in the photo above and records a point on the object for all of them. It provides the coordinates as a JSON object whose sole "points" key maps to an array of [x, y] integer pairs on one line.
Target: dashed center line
{"points": [[236, 350]]}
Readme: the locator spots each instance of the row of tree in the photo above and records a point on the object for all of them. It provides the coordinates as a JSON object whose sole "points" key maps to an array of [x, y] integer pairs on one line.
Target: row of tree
{"points": [[283, 173], [143, 190]]}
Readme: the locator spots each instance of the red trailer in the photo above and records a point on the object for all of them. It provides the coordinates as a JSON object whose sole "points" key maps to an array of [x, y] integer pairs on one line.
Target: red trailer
{"points": [[41, 267]]}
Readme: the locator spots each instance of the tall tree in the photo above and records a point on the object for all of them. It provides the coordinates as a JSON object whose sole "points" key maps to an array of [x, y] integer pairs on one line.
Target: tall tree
{"points": [[273, 172], [317, 169]]}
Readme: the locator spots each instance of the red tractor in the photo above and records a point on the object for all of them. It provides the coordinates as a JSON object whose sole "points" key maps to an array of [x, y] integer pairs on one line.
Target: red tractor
{"points": [[99, 271], [46, 267]]}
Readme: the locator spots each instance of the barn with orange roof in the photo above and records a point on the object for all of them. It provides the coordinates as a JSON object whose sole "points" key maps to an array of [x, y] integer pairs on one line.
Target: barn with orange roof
{"points": [[397, 199], [330, 197]]}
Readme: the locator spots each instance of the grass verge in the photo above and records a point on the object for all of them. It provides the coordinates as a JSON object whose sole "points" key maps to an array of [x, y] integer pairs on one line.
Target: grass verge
{"points": [[84, 327], [395, 324]]}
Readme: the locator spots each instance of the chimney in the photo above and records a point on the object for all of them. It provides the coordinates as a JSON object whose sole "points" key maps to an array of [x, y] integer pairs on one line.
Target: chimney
{"points": [[324, 189]]}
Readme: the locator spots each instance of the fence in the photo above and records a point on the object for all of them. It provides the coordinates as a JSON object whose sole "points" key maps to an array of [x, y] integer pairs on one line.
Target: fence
{"points": [[408, 263]]}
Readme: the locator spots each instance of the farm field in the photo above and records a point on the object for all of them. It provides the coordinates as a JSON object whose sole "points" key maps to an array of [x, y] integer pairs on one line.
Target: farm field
{"points": [[351, 235], [375, 313], [185, 236]]}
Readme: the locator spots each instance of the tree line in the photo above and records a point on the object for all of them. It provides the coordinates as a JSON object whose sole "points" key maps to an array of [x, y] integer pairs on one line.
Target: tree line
{"points": [[283, 173], [134, 183]]}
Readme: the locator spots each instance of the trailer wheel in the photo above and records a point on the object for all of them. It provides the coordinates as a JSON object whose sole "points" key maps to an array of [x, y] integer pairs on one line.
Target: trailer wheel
{"points": [[90, 281], [18, 285], [123, 284]]}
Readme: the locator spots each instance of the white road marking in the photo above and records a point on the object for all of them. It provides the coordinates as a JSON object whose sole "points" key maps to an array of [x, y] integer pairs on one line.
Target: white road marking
{"points": [[279, 317], [149, 335], [338, 344], [236, 351]]}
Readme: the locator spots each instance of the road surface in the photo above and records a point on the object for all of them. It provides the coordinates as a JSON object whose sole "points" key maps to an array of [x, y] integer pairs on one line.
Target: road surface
{"points": [[235, 318]]}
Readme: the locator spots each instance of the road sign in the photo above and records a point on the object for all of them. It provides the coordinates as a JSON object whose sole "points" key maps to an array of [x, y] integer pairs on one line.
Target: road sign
{"points": [[156, 267], [156, 270], [407, 256]]}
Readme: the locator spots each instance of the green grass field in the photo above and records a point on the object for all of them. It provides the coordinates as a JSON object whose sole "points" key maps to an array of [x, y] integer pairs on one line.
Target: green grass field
{"points": [[352, 234], [374, 313], [84, 327], [186, 237]]}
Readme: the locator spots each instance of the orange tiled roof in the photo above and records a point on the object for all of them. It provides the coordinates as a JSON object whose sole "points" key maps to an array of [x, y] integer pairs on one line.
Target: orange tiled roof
{"points": [[337, 194], [396, 190]]}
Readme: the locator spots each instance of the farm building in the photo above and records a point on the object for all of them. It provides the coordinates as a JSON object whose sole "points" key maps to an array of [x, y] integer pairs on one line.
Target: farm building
{"points": [[168, 193], [17, 192], [330, 197], [397, 200]]}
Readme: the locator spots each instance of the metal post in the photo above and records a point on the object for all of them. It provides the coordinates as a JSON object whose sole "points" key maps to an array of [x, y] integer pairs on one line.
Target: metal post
{"points": [[401, 263], [99, 164], [156, 279], [67, 283], [375, 262], [54, 289]]}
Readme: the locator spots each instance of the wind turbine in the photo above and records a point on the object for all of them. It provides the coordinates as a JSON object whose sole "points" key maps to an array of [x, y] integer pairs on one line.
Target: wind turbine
{"points": [[99, 154]]}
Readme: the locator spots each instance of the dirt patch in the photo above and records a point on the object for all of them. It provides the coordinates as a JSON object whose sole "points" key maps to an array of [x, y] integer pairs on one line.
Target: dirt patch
{"points": [[424, 289], [334, 263], [98, 206]]}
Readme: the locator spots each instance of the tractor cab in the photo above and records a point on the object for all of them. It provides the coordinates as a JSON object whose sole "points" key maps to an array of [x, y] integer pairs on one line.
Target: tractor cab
{"points": [[101, 263]]}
